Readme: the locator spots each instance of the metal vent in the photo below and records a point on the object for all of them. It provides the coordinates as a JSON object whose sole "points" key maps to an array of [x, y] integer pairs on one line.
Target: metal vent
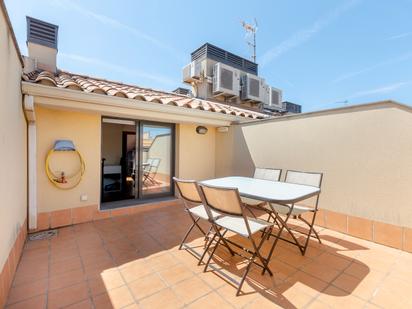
{"points": [[220, 55], [42, 33], [226, 78], [254, 87], [275, 98]]}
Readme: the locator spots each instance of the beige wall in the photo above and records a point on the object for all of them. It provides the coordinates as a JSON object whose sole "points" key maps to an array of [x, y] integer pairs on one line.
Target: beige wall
{"points": [[365, 156], [84, 130], [195, 153], [13, 141]]}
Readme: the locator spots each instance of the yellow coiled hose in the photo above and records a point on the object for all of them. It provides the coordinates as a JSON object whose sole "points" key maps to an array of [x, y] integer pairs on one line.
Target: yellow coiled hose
{"points": [[53, 177]]}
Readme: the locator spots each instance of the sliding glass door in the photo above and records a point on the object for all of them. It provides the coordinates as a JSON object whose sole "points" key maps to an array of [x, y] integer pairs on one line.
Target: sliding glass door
{"points": [[156, 158], [137, 160]]}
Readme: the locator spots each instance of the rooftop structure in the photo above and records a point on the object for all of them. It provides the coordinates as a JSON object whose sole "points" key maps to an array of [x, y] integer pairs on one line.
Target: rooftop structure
{"points": [[217, 74]]}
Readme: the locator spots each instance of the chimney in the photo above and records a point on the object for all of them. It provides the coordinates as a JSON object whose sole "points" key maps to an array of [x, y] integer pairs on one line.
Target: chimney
{"points": [[42, 45]]}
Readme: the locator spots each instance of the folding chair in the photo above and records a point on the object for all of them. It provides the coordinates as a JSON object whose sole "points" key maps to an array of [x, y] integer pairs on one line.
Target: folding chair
{"points": [[297, 210], [265, 174], [227, 202], [189, 193], [150, 172]]}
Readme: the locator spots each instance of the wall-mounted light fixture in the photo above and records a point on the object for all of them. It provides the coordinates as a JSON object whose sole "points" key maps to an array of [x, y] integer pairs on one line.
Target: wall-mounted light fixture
{"points": [[201, 130], [223, 129]]}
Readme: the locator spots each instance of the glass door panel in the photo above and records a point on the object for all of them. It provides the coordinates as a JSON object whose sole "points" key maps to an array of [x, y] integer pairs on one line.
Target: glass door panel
{"points": [[156, 159]]}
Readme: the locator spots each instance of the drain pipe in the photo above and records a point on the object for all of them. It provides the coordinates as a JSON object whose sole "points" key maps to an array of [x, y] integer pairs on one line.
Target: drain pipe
{"points": [[32, 160]]}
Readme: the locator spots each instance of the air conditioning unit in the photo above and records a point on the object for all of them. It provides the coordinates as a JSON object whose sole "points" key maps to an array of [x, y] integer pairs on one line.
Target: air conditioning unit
{"points": [[192, 72], [275, 98], [252, 88], [225, 80], [265, 96]]}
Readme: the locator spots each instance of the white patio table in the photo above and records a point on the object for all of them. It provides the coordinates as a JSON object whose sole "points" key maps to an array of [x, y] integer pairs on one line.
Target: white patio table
{"points": [[277, 192], [266, 190]]}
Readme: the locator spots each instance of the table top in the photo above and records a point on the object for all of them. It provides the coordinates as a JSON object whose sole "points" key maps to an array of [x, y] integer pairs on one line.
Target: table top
{"points": [[266, 190]]}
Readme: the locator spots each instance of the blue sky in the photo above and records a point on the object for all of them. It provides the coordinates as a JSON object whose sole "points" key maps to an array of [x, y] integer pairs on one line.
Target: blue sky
{"points": [[319, 52]]}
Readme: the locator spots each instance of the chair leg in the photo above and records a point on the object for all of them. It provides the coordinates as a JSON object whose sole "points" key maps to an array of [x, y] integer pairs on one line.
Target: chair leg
{"points": [[308, 224], [208, 232], [239, 288], [187, 233], [211, 254], [221, 236], [208, 244], [285, 225], [195, 223], [311, 229], [252, 259], [265, 262]]}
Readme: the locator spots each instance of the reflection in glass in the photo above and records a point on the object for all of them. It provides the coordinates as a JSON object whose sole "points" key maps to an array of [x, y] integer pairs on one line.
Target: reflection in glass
{"points": [[156, 159]]}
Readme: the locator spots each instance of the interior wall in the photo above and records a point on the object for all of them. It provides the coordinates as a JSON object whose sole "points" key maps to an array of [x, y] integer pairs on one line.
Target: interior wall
{"points": [[195, 152], [84, 130], [112, 141], [365, 156]]}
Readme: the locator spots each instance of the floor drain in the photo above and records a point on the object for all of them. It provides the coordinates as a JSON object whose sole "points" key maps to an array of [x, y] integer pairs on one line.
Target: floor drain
{"points": [[43, 235]]}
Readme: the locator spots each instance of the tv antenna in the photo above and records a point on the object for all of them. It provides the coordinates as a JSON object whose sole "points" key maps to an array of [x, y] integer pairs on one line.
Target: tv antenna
{"points": [[251, 37]]}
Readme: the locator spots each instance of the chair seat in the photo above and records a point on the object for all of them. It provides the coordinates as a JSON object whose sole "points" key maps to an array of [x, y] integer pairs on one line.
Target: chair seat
{"points": [[284, 210], [238, 225], [200, 212]]}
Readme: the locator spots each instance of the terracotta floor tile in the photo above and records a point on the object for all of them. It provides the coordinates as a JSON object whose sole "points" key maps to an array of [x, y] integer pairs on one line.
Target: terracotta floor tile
{"points": [[263, 302], [338, 298], [393, 293], [30, 273], [85, 304], [102, 301], [166, 298], [296, 297], [316, 304], [161, 262], [324, 273], [61, 267], [212, 279], [191, 289], [175, 274], [66, 279], [27, 290], [306, 283], [135, 270], [120, 297], [228, 293], [333, 261], [359, 270], [146, 286], [207, 300], [67, 296], [37, 302], [112, 279], [96, 286], [113, 260]]}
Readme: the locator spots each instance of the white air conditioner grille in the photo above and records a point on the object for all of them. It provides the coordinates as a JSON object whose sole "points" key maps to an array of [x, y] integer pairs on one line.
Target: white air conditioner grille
{"points": [[226, 78], [275, 98], [254, 87]]}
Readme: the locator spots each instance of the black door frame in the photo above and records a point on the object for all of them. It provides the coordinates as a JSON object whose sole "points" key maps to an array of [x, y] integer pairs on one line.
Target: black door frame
{"points": [[139, 150]]}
